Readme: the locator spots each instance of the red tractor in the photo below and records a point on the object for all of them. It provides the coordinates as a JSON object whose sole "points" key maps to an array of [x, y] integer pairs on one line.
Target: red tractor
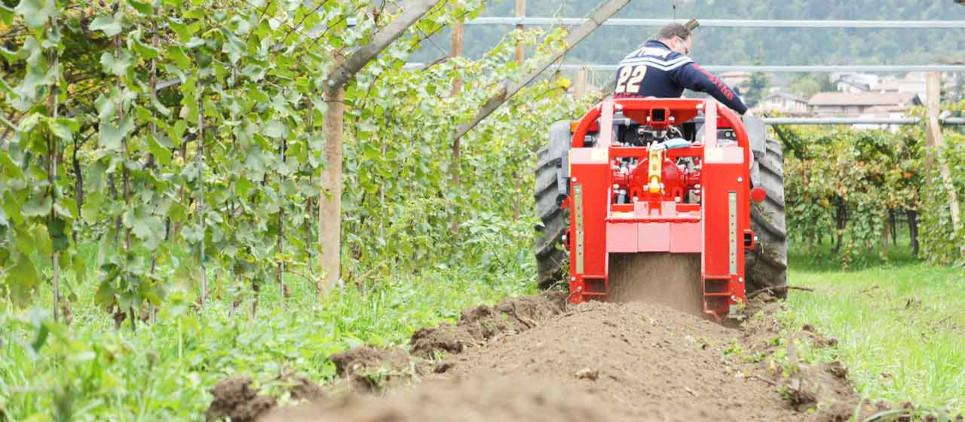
{"points": [[677, 200]]}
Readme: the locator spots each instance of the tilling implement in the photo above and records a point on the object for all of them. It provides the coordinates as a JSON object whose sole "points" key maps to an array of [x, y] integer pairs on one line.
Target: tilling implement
{"points": [[638, 189]]}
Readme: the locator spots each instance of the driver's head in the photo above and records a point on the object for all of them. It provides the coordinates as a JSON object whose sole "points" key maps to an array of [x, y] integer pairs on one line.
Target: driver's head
{"points": [[677, 37]]}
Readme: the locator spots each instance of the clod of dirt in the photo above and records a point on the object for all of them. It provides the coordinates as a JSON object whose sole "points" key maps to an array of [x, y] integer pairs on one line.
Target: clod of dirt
{"points": [[588, 374], [236, 400], [483, 323], [304, 389], [370, 369], [442, 367]]}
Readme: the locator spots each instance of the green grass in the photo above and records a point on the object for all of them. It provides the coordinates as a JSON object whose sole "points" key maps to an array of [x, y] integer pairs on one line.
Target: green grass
{"points": [[90, 371], [900, 326]]}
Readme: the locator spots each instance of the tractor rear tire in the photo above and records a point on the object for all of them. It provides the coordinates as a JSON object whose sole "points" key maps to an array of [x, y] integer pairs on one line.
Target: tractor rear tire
{"points": [[551, 257], [766, 266]]}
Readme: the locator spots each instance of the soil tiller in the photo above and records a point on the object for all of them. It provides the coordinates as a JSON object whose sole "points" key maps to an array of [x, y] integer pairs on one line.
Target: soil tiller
{"points": [[684, 179]]}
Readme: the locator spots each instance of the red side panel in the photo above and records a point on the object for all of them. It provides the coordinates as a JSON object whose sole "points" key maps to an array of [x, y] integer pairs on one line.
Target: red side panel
{"points": [[723, 182], [589, 189]]}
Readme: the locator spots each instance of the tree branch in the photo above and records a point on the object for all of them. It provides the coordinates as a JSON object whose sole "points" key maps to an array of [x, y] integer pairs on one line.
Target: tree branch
{"points": [[414, 10]]}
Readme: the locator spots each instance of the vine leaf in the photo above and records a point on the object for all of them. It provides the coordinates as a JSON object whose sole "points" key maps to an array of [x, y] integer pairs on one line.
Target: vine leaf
{"points": [[111, 136], [36, 206], [276, 129], [36, 12], [57, 230], [6, 15], [144, 8], [22, 279], [63, 128], [116, 65], [144, 225], [110, 25]]}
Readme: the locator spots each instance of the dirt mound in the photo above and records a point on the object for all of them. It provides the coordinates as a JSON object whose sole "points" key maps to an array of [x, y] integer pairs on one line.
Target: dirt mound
{"points": [[484, 323], [374, 369], [485, 398], [235, 399], [642, 361], [536, 359]]}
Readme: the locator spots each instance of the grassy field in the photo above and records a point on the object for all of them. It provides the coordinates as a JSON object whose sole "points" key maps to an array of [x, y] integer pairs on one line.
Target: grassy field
{"points": [[89, 371], [900, 326]]}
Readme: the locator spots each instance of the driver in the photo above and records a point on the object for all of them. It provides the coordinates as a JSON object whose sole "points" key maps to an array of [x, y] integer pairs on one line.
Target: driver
{"points": [[660, 68]]}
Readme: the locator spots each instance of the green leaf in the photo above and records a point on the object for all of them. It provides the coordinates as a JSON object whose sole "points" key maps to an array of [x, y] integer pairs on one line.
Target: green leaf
{"points": [[36, 12], [276, 129], [93, 205], [56, 229], [144, 225], [9, 56], [176, 132], [6, 14], [144, 51], [160, 152], [116, 65], [63, 128], [181, 29], [110, 25], [145, 8], [42, 333], [79, 267], [176, 55], [22, 279], [36, 206], [111, 135]]}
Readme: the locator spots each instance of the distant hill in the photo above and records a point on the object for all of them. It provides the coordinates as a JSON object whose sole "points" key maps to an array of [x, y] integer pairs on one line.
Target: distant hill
{"points": [[725, 46]]}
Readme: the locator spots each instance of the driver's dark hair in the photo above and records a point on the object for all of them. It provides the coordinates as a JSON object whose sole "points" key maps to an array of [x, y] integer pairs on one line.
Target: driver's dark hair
{"points": [[673, 30]]}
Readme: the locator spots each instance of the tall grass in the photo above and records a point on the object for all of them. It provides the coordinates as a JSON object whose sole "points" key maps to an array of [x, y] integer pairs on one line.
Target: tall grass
{"points": [[900, 326]]}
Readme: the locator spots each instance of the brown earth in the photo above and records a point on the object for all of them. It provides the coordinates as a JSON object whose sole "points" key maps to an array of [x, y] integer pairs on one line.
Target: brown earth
{"points": [[535, 358], [235, 399]]}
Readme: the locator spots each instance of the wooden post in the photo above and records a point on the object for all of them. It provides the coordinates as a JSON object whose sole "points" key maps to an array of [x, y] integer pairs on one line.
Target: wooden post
{"points": [[330, 202], [330, 195], [520, 13], [934, 143], [579, 86], [456, 51], [456, 163], [933, 130]]}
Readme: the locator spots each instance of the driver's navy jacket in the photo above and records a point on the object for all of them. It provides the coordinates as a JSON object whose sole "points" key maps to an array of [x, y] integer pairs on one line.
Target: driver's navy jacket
{"points": [[654, 70]]}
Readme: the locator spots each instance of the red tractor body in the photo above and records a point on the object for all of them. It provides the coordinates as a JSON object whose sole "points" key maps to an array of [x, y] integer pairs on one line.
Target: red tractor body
{"points": [[688, 198]]}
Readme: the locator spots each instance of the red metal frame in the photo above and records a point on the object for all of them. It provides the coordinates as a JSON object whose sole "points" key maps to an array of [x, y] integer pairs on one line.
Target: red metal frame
{"points": [[717, 227]]}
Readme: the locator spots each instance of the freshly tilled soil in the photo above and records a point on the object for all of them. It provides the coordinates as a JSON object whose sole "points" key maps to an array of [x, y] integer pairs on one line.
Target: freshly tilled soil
{"points": [[479, 325], [235, 399], [535, 358]]}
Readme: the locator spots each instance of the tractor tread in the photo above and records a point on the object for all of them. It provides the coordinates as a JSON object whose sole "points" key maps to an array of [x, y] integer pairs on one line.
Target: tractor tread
{"points": [[550, 256], [766, 265]]}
